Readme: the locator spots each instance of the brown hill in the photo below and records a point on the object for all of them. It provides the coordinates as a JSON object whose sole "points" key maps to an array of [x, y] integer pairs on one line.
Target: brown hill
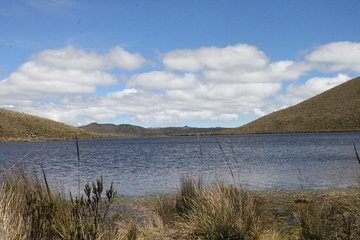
{"points": [[335, 110], [16, 126]]}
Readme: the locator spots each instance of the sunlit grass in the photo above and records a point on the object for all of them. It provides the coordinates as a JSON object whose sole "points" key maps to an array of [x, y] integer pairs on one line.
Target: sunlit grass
{"points": [[29, 209]]}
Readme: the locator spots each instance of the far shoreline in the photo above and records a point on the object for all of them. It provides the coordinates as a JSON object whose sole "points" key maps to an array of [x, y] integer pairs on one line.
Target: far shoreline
{"points": [[44, 139]]}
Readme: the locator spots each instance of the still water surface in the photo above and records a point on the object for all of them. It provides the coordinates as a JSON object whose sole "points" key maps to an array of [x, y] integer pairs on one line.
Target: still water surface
{"points": [[154, 165]]}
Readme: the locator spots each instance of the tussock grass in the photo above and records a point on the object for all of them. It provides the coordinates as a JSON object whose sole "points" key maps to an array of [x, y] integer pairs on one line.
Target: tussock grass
{"points": [[30, 210], [189, 191], [12, 224], [218, 212], [222, 213], [165, 207], [331, 219], [225, 212]]}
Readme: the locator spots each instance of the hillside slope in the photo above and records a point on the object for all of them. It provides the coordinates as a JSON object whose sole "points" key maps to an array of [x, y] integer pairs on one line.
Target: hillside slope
{"points": [[335, 110], [20, 126]]}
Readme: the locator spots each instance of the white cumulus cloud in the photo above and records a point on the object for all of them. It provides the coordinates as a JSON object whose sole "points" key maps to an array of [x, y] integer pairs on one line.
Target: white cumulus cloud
{"points": [[337, 56], [69, 70], [238, 63], [163, 80], [299, 92], [241, 56], [71, 57], [208, 84], [276, 71]]}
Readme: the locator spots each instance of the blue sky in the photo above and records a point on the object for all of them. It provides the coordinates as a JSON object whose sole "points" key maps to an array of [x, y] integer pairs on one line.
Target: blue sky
{"points": [[172, 63]]}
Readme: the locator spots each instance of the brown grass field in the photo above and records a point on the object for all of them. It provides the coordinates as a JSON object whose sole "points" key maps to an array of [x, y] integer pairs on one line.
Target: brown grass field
{"points": [[29, 209]]}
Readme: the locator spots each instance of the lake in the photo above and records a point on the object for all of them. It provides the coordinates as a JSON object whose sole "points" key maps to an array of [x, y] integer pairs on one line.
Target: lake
{"points": [[154, 165]]}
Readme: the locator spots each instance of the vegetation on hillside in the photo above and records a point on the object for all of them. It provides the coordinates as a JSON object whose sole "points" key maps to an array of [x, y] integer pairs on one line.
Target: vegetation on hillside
{"points": [[332, 111], [20, 126]]}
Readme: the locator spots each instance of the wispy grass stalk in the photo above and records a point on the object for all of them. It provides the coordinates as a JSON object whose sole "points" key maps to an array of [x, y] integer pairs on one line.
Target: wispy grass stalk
{"points": [[78, 162], [226, 160], [356, 153]]}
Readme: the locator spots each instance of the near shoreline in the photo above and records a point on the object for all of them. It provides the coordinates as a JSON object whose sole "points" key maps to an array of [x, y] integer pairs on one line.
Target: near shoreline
{"points": [[29, 208]]}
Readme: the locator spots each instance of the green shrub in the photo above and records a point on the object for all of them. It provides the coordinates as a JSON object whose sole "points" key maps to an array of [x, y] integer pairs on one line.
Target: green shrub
{"points": [[90, 213]]}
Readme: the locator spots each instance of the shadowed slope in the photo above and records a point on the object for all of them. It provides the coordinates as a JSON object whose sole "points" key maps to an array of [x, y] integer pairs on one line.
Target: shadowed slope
{"points": [[335, 110]]}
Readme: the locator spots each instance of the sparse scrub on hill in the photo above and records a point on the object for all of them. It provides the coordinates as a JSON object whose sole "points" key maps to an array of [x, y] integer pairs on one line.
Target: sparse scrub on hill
{"points": [[15, 126], [335, 110]]}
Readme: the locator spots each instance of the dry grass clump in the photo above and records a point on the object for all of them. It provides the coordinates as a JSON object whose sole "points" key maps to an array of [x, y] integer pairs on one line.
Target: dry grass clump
{"points": [[218, 212], [190, 190], [12, 224], [223, 213], [170, 208], [165, 207], [29, 210], [332, 219]]}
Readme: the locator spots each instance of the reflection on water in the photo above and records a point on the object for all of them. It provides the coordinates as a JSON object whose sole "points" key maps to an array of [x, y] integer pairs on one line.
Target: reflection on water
{"points": [[147, 166]]}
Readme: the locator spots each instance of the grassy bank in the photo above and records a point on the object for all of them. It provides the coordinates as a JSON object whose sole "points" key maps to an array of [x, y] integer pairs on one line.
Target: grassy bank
{"points": [[15, 126], [335, 110], [29, 209]]}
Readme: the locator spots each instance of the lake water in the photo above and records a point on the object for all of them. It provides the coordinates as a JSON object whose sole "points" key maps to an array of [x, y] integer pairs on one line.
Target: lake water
{"points": [[154, 165]]}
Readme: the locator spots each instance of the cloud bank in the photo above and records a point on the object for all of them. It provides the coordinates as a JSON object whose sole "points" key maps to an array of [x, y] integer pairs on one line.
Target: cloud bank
{"points": [[208, 85]]}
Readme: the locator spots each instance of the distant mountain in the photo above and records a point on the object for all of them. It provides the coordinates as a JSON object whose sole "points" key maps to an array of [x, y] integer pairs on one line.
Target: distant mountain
{"points": [[20, 126], [185, 131], [335, 110], [132, 130], [122, 129]]}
